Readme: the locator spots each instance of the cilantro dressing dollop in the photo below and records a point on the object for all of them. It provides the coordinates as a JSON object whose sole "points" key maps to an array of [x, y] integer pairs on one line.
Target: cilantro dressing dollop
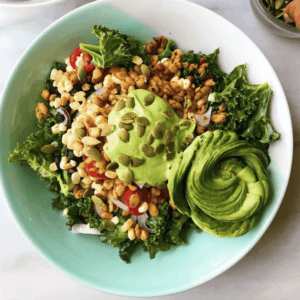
{"points": [[156, 167]]}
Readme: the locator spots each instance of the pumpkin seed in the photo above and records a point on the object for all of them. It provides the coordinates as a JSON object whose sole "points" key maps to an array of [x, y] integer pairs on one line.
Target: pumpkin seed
{"points": [[88, 192], [186, 123], [129, 115], [90, 141], [272, 3], [157, 133], [128, 118], [161, 185], [128, 177], [176, 214], [112, 166], [98, 201], [137, 60], [128, 127], [143, 121], [170, 147], [161, 125], [279, 15], [149, 99], [167, 115], [168, 138], [71, 186], [174, 129], [124, 135], [109, 225], [48, 149], [148, 150], [202, 75], [120, 105], [130, 103], [145, 69], [79, 132], [130, 121], [159, 148], [81, 74], [77, 124], [136, 162], [107, 130], [124, 160], [170, 155], [140, 130], [278, 4], [94, 154], [150, 139]]}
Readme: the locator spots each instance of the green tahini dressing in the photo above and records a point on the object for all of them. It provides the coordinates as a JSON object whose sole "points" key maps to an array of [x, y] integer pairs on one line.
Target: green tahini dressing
{"points": [[156, 167]]}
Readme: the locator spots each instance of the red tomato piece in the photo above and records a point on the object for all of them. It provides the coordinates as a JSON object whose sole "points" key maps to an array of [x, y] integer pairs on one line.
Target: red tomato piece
{"points": [[85, 57], [165, 193], [94, 174], [143, 193]]}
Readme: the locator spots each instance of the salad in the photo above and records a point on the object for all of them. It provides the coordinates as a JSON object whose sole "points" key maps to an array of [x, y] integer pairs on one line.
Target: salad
{"points": [[142, 142]]}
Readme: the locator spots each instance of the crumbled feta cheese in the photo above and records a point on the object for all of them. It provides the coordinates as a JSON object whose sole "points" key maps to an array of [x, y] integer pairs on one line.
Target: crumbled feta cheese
{"points": [[62, 127], [65, 212], [53, 167], [73, 163], [53, 74], [211, 97], [115, 220], [79, 62], [55, 129]]}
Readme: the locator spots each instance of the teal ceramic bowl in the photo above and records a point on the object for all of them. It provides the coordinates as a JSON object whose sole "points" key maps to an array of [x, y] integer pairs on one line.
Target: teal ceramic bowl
{"points": [[83, 257]]}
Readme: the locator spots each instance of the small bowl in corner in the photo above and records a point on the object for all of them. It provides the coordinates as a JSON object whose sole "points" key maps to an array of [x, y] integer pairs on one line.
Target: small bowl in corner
{"points": [[274, 25]]}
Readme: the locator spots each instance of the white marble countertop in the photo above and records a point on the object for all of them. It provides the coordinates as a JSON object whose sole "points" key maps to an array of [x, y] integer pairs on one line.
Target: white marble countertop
{"points": [[271, 270]]}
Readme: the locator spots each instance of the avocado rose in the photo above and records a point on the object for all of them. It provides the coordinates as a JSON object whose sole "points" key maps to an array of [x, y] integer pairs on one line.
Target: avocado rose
{"points": [[221, 182]]}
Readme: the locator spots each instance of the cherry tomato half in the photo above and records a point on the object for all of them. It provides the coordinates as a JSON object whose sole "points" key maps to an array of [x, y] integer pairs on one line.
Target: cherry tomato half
{"points": [[94, 174], [165, 193], [85, 57], [143, 193]]}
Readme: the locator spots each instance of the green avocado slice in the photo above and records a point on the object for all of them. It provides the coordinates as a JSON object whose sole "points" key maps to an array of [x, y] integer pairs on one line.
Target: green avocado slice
{"points": [[267, 191], [256, 188], [177, 178], [231, 205], [233, 165], [249, 207], [220, 228], [176, 187], [221, 183], [247, 175], [215, 190], [257, 165], [231, 200]]}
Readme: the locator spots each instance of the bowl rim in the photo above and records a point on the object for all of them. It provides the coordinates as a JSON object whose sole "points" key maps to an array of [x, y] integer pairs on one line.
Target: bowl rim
{"points": [[281, 24], [20, 4], [186, 286]]}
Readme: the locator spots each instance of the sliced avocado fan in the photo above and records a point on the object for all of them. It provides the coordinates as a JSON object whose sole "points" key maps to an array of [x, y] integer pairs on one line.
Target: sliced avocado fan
{"points": [[221, 183]]}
